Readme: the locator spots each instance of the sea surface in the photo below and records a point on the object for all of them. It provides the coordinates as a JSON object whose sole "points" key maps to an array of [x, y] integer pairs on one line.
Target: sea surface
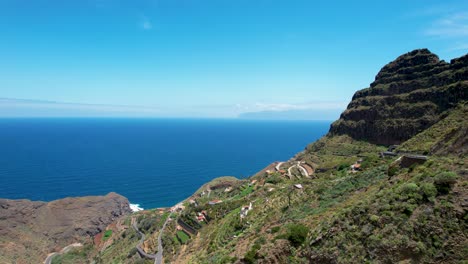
{"points": [[153, 162]]}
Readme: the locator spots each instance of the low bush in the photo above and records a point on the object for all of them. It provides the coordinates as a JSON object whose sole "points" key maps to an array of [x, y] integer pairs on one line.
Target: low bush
{"points": [[251, 255], [429, 191], [297, 234], [444, 182]]}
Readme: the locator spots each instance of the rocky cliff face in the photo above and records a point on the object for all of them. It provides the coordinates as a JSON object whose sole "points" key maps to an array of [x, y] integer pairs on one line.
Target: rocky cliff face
{"points": [[408, 95], [29, 230]]}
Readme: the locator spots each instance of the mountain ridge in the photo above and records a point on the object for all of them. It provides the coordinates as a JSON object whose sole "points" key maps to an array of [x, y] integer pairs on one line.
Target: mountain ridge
{"points": [[408, 95]]}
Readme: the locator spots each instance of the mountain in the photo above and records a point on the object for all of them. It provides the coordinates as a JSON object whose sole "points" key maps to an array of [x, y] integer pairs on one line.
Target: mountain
{"points": [[408, 95], [30, 230], [347, 198]]}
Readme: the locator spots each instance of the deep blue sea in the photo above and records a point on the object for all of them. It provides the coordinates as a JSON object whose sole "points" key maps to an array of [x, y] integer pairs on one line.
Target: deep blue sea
{"points": [[153, 162]]}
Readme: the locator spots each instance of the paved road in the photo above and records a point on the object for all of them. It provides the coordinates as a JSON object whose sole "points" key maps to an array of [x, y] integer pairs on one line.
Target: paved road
{"points": [[142, 239], [278, 166], [289, 172], [303, 170], [49, 258], [298, 166], [159, 255]]}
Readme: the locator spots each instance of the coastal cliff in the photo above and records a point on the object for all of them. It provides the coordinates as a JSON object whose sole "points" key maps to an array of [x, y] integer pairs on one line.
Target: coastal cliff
{"points": [[29, 230], [408, 95]]}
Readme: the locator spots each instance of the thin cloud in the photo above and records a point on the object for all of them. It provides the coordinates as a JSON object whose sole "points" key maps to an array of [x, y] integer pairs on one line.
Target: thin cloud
{"points": [[459, 46], [22, 107], [319, 110], [450, 26], [279, 107]]}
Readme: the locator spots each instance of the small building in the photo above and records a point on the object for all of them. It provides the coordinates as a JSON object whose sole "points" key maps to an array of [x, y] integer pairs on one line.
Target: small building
{"points": [[213, 202], [409, 160], [388, 154], [201, 217]]}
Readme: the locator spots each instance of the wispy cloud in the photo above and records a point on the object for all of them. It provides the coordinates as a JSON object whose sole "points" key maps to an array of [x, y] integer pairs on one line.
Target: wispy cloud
{"points": [[318, 105], [450, 25], [319, 110], [145, 23], [21, 107], [459, 46]]}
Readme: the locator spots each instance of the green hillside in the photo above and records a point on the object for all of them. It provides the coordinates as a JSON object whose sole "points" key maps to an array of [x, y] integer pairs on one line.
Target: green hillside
{"points": [[345, 198]]}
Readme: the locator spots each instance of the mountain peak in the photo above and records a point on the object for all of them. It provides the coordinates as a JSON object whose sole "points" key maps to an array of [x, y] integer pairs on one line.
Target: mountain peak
{"points": [[408, 95], [408, 65]]}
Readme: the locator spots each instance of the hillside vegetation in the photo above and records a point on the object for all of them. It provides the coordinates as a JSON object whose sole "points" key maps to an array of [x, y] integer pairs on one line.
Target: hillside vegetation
{"points": [[345, 198]]}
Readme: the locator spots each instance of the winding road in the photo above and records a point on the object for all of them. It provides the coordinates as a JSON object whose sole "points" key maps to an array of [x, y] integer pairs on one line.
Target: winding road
{"points": [[49, 258], [278, 166], [300, 168], [142, 239], [303, 171], [159, 255]]}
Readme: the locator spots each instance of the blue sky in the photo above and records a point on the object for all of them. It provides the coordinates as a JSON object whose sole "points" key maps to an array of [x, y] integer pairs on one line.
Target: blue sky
{"points": [[209, 58]]}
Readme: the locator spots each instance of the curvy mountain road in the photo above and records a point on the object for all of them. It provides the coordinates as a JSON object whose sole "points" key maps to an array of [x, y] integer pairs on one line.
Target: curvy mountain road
{"points": [[49, 258], [159, 255]]}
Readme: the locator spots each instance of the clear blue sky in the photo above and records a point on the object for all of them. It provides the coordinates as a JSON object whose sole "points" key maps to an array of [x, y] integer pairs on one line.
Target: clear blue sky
{"points": [[209, 58]]}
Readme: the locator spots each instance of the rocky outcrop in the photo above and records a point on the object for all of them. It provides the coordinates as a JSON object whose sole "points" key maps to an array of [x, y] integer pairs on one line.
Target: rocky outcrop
{"points": [[408, 95], [29, 229]]}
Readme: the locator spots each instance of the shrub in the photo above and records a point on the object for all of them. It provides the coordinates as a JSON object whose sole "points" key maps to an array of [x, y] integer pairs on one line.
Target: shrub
{"points": [[374, 218], [392, 171], [275, 229], [429, 191], [343, 166], [297, 234], [444, 182], [409, 188], [274, 179], [251, 255], [132, 252]]}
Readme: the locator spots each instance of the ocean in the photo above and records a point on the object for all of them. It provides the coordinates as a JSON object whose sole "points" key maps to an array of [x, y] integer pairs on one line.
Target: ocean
{"points": [[152, 162]]}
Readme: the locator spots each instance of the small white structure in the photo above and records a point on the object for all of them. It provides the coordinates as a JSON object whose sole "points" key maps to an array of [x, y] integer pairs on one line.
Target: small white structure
{"points": [[245, 210], [298, 186]]}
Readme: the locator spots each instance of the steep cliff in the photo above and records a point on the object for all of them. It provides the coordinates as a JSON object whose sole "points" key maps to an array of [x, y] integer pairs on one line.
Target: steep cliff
{"points": [[408, 95], [30, 230]]}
